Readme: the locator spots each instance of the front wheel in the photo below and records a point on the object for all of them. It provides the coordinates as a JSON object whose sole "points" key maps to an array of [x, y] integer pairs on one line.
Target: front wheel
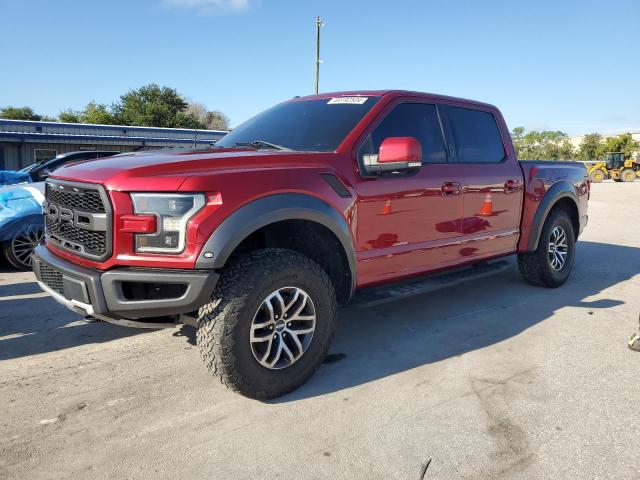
{"points": [[269, 324], [19, 248], [628, 175], [551, 263], [597, 176]]}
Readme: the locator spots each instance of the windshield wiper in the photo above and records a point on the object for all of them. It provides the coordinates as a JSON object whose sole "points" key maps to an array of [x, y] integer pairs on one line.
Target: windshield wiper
{"points": [[262, 144]]}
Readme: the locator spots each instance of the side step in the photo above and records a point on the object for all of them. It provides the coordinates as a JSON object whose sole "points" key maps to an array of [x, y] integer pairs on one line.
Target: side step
{"points": [[389, 293]]}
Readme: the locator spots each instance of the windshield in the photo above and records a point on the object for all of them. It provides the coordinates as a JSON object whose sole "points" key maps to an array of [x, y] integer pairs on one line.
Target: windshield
{"points": [[47, 165], [34, 167], [307, 125]]}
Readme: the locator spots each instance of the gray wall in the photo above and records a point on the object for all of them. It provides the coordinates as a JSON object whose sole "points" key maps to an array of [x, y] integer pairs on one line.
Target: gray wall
{"points": [[19, 139], [19, 155]]}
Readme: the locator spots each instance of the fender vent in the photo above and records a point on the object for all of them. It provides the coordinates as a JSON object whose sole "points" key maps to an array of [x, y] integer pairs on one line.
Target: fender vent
{"points": [[336, 184]]}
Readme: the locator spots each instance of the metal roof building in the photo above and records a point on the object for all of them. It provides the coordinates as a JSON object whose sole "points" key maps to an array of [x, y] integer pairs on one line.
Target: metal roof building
{"points": [[24, 142]]}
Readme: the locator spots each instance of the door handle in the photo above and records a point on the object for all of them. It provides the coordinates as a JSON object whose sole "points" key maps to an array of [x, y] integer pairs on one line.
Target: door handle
{"points": [[451, 188], [511, 186]]}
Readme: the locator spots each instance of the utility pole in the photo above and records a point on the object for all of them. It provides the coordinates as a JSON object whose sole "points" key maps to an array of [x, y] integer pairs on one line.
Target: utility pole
{"points": [[317, 78]]}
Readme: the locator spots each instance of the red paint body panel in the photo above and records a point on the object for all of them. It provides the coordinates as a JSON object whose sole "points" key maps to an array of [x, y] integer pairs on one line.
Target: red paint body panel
{"points": [[539, 178], [440, 217], [405, 224]]}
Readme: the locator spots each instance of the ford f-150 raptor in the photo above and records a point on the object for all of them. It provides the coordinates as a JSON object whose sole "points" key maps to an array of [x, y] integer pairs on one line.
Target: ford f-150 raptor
{"points": [[261, 237]]}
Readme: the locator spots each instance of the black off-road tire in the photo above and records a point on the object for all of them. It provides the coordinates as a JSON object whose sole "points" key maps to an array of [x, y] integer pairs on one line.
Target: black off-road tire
{"points": [[224, 324], [10, 257], [628, 175], [535, 266]]}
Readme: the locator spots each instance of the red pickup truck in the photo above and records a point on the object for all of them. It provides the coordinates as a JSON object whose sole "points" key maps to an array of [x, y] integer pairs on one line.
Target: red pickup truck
{"points": [[292, 213]]}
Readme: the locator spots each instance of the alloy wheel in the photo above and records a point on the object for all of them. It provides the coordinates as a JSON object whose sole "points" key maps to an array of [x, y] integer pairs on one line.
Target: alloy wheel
{"points": [[24, 242], [558, 248], [282, 328]]}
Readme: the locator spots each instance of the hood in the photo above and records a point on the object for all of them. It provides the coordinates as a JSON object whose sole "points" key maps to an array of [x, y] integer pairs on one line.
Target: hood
{"points": [[168, 170]]}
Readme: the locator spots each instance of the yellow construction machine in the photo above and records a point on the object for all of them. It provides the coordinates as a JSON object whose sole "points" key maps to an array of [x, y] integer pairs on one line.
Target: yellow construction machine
{"points": [[616, 167]]}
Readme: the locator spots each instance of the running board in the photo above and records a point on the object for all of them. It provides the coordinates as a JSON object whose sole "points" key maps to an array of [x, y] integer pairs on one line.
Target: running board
{"points": [[373, 296]]}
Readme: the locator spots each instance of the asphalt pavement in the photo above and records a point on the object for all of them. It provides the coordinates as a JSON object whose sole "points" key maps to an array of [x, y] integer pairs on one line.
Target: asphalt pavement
{"points": [[487, 379]]}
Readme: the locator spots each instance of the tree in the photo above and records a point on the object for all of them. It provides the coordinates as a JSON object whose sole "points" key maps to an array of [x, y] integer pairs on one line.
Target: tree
{"points": [[564, 149], [69, 116], [588, 149], [545, 145], [154, 106], [19, 113], [622, 143], [212, 120], [95, 113], [98, 113], [150, 106], [517, 137]]}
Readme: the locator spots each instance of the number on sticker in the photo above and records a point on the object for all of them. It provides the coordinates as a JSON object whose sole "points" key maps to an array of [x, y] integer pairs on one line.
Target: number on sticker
{"points": [[347, 100]]}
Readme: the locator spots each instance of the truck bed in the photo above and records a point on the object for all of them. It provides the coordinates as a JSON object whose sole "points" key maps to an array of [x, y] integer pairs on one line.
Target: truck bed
{"points": [[540, 176]]}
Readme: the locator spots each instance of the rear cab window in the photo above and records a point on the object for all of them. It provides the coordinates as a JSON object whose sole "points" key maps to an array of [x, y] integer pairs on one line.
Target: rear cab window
{"points": [[476, 136]]}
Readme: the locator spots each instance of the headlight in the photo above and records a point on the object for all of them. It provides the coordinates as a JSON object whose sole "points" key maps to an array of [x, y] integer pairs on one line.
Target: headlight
{"points": [[173, 211]]}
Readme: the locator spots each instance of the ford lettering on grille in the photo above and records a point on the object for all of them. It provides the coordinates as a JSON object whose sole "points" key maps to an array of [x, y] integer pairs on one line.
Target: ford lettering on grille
{"points": [[78, 218]]}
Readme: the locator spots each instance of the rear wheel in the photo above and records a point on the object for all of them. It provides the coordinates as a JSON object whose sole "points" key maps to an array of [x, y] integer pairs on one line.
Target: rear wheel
{"points": [[18, 249], [597, 176], [269, 324], [551, 263], [628, 175]]}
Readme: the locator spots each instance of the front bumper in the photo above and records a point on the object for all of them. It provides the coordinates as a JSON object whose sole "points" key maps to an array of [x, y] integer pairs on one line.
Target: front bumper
{"points": [[107, 295]]}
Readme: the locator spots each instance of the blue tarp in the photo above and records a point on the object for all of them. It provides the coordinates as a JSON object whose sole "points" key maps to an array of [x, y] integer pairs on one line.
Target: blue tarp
{"points": [[20, 207], [10, 177]]}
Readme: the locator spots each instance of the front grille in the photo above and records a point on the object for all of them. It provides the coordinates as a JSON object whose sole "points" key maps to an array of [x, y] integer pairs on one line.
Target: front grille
{"points": [[78, 218], [94, 243], [83, 199], [51, 278]]}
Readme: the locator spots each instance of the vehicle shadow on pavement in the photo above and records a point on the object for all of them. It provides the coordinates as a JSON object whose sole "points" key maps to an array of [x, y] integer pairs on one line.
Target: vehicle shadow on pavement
{"points": [[32, 324], [376, 342], [24, 288]]}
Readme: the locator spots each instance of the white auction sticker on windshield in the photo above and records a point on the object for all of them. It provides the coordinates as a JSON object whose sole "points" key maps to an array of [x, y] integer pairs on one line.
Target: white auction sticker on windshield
{"points": [[347, 100]]}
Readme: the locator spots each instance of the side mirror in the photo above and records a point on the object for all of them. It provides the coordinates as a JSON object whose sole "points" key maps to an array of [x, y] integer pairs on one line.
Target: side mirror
{"points": [[397, 154]]}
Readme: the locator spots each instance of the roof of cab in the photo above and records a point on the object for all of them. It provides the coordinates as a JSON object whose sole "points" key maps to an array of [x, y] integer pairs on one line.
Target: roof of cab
{"points": [[394, 93]]}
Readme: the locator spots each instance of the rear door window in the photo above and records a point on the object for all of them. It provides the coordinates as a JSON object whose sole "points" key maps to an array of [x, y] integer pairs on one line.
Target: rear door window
{"points": [[476, 136], [417, 120]]}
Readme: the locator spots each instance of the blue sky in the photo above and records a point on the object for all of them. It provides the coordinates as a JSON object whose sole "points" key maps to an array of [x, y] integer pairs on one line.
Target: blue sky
{"points": [[570, 65]]}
